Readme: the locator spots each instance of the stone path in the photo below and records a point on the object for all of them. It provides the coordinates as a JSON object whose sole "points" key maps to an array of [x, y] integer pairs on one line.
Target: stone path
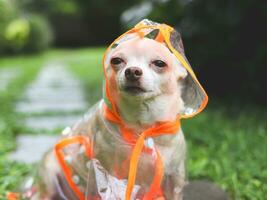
{"points": [[6, 76], [30, 149], [49, 104], [50, 123], [55, 89]]}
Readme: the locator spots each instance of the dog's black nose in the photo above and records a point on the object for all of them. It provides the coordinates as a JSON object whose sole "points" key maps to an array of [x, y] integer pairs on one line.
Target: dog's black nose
{"points": [[133, 73]]}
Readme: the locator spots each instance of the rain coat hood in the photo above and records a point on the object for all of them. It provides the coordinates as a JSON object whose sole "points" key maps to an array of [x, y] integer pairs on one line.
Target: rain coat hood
{"points": [[193, 96]]}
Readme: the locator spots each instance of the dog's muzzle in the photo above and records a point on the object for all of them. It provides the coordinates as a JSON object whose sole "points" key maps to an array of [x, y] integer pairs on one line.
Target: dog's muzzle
{"points": [[133, 83], [133, 74]]}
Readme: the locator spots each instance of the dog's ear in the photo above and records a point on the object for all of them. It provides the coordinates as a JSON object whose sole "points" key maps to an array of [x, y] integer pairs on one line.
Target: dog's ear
{"points": [[193, 95], [177, 44], [179, 70], [176, 41]]}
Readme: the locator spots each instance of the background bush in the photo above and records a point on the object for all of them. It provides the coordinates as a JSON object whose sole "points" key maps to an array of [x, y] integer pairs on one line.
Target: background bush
{"points": [[81, 23], [17, 34], [8, 12], [21, 31], [226, 41], [40, 36]]}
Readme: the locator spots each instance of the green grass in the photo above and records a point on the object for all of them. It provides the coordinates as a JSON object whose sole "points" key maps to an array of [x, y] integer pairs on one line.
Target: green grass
{"points": [[88, 68], [226, 143], [229, 149]]}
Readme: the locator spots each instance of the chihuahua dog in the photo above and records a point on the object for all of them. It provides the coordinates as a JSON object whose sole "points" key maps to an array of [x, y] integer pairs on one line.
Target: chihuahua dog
{"points": [[146, 82]]}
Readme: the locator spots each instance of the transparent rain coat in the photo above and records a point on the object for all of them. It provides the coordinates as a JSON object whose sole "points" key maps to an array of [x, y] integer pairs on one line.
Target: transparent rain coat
{"points": [[100, 158]]}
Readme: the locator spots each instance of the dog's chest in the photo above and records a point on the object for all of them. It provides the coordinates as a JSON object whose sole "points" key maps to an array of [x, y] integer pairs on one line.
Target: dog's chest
{"points": [[114, 155], [110, 164]]}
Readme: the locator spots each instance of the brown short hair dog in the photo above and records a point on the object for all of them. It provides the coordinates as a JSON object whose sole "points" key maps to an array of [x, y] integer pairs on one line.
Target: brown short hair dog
{"points": [[130, 145]]}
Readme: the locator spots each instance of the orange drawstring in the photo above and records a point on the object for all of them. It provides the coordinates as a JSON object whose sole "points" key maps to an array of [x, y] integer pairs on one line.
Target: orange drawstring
{"points": [[157, 130], [155, 189], [83, 140], [13, 196]]}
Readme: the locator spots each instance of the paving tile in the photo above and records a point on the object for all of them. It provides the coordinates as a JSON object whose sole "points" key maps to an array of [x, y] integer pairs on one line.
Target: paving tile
{"points": [[55, 89], [30, 148], [51, 122]]}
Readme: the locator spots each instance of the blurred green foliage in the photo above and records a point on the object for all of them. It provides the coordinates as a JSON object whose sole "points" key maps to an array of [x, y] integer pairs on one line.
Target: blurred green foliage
{"points": [[227, 41], [40, 36], [21, 31], [8, 13], [79, 22], [17, 33]]}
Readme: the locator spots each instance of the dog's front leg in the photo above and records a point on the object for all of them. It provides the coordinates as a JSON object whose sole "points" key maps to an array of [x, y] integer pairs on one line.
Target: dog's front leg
{"points": [[174, 187], [174, 182], [174, 164]]}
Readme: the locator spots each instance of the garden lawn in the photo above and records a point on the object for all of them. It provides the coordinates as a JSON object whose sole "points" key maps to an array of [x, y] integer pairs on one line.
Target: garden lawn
{"points": [[229, 147], [226, 144]]}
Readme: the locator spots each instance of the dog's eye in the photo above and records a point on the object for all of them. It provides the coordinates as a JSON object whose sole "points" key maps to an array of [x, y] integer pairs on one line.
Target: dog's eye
{"points": [[159, 63], [116, 61]]}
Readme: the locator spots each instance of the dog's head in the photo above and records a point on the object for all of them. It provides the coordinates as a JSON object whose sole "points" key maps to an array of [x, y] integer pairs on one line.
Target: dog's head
{"points": [[144, 68], [148, 62]]}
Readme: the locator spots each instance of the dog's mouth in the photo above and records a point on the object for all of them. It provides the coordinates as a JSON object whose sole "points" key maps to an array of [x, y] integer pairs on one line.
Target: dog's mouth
{"points": [[133, 89]]}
